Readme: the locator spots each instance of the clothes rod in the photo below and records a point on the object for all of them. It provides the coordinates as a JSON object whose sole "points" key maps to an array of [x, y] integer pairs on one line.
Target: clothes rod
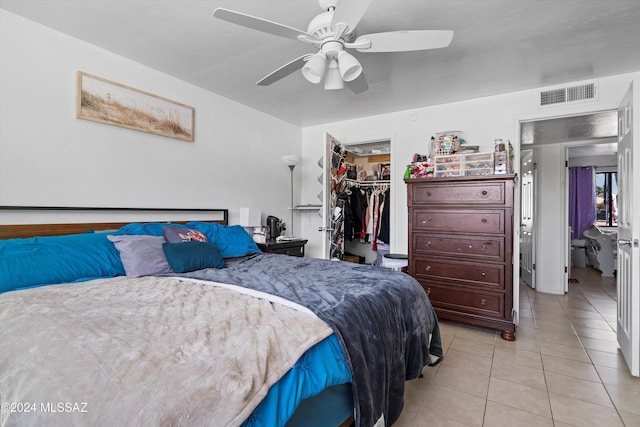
{"points": [[367, 183]]}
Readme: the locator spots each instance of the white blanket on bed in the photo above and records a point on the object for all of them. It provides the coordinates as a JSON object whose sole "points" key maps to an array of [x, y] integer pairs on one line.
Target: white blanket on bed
{"points": [[146, 351]]}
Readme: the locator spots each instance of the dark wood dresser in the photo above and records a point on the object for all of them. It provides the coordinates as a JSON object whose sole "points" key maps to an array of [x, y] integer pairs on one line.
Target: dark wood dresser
{"points": [[461, 247]]}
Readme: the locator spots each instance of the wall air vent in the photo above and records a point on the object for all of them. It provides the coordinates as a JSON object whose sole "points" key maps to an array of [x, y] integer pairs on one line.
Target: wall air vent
{"points": [[569, 95]]}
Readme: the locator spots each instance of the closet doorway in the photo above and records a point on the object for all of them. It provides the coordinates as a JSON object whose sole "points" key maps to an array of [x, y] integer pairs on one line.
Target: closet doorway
{"points": [[358, 200]]}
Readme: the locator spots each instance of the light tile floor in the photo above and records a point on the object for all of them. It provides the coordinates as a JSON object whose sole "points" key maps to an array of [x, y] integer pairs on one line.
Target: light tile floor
{"points": [[564, 368]]}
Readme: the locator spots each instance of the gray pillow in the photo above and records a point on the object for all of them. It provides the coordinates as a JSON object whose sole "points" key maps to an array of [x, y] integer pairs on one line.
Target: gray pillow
{"points": [[141, 255]]}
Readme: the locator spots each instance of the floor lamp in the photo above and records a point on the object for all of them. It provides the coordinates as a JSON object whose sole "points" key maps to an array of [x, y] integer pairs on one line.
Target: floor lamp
{"points": [[291, 160]]}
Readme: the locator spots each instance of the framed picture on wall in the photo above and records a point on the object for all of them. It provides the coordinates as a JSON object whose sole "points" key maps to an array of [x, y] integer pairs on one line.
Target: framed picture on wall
{"points": [[112, 103]]}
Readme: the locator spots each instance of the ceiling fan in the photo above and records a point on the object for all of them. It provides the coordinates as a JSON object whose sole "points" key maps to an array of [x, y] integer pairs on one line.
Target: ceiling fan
{"points": [[332, 32]]}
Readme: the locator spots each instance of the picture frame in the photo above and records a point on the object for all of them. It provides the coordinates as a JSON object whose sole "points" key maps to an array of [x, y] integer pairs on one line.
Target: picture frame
{"points": [[104, 101]]}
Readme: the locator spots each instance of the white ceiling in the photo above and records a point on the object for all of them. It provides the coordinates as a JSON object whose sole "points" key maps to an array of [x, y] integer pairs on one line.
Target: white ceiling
{"points": [[499, 46]]}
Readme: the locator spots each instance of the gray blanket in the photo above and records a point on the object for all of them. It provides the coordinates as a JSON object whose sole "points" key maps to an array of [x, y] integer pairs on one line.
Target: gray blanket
{"points": [[149, 351], [384, 321]]}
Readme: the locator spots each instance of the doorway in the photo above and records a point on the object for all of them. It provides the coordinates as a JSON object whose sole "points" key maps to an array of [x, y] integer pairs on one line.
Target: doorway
{"points": [[358, 200], [628, 168], [544, 193], [592, 187]]}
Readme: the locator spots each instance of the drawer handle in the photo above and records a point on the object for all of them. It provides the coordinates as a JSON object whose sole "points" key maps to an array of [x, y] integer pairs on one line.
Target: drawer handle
{"points": [[484, 220], [427, 220], [428, 267], [428, 291], [483, 274], [428, 243], [483, 302], [484, 192], [428, 193], [470, 246], [483, 247]]}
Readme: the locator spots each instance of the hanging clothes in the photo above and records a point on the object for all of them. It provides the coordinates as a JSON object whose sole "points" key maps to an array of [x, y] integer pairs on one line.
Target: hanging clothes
{"points": [[369, 213], [370, 210], [385, 220], [357, 206], [376, 210]]}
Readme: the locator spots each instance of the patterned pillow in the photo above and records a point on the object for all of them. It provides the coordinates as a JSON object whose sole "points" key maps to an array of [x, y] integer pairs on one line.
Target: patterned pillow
{"points": [[179, 235]]}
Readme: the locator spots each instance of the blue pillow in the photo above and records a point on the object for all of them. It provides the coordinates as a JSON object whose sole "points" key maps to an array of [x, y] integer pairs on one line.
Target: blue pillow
{"points": [[58, 259], [233, 241], [193, 255], [150, 228]]}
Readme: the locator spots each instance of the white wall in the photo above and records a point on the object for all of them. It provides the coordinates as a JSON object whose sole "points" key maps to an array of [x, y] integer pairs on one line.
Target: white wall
{"points": [[482, 121], [48, 157]]}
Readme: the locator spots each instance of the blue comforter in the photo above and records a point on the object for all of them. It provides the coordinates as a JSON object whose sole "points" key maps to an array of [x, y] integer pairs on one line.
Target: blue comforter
{"points": [[383, 320]]}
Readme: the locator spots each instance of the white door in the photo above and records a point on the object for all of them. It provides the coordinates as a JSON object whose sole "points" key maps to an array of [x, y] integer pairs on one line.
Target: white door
{"points": [[527, 239], [628, 276], [333, 246]]}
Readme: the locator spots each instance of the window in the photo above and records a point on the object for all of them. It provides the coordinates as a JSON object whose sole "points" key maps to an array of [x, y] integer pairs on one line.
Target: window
{"points": [[606, 199]]}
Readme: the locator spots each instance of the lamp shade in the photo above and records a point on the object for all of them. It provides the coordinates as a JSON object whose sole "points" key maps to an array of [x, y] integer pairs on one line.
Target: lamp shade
{"points": [[349, 66], [333, 80], [290, 159], [314, 68], [250, 217]]}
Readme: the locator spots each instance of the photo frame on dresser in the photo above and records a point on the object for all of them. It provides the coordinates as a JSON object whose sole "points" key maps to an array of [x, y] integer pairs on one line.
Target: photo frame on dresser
{"points": [[104, 101]]}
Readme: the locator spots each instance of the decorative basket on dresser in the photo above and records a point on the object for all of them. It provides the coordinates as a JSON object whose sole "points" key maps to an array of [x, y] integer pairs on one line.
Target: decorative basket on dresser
{"points": [[461, 247]]}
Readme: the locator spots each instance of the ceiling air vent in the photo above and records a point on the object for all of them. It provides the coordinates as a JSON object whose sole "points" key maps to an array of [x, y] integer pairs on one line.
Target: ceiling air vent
{"points": [[571, 94]]}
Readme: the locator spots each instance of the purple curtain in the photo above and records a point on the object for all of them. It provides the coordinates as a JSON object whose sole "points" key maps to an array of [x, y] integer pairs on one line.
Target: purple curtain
{"points": [[582, 200]]}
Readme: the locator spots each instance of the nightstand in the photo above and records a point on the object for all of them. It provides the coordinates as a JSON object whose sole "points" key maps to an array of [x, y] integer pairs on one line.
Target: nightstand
{"points": [[285, 247]]}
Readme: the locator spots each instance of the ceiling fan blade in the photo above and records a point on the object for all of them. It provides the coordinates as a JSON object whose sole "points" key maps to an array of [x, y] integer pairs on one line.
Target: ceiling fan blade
{"points": [[284, 71], [404, 41], [259, 24], [348, 13], [359, 84]]}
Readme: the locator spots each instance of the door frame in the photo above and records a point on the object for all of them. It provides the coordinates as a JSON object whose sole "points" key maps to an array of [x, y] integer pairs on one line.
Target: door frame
{"points": [[397, 185], [542, 114]]}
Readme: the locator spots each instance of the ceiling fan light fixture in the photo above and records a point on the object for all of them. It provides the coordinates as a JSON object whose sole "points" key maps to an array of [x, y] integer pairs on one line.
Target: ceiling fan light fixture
{"points": [[349, 66], [331, 32], [315, 67], [333, 80]]}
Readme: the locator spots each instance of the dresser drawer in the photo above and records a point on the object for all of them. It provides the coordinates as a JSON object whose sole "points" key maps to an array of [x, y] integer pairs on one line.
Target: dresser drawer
{"points": [[469, 246], [459, 220], [483, 303], [461, 272], [462, 193]]}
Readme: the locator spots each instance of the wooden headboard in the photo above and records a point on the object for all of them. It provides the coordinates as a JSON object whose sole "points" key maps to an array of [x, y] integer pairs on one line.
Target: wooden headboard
{"points": [[30, 230]]}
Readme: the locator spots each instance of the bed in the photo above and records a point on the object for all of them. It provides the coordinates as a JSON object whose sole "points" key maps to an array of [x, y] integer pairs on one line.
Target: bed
{"points": [[96, 331]]}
